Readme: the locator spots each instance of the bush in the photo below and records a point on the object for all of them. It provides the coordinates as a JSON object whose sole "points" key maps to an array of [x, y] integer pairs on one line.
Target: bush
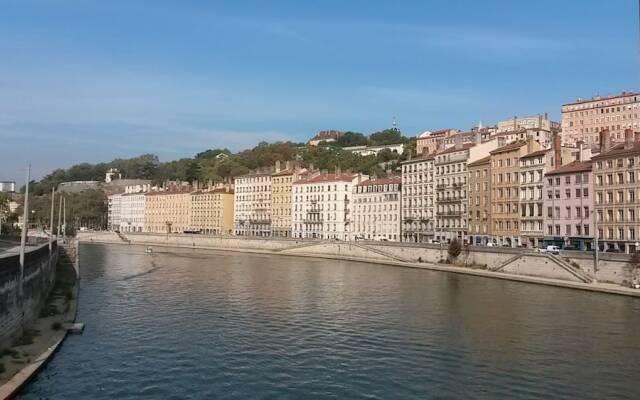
{"points": [[454, 249], [56, 326], [10, 352]]}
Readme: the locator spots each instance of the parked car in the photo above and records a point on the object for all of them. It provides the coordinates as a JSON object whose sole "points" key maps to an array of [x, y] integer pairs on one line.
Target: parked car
{"points": [[491, 244], [551, 249]]}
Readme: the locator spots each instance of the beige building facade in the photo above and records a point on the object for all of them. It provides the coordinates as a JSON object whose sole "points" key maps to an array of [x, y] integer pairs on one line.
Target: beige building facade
{"points": [[281, 191], [616, 172], [533, 166], [377, 209], [480, 201], [212, 211], [505, 196], [167, 211], [584, 119]]}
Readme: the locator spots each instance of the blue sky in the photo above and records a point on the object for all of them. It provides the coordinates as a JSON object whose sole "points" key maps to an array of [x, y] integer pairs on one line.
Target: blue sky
{"points": [[95, 80]]}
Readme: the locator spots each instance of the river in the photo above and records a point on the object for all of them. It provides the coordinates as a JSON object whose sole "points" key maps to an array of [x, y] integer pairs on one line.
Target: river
{"points": [[181, 324]]}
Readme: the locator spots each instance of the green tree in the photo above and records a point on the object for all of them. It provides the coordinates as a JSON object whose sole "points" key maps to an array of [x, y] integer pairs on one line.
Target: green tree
{"points": [[351, 139], [387, 136], [454, 249]]}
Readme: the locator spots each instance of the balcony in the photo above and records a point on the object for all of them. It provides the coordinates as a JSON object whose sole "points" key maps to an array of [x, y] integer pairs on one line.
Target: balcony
{"points": [[449, 213], [451, 199], [260, 221]]}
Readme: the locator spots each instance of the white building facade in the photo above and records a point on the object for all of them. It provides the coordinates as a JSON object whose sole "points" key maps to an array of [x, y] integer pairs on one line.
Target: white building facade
{"points": [[322, 206], [377, 209], [113, 220], [418, 200], [252, 202], [132, 212]]}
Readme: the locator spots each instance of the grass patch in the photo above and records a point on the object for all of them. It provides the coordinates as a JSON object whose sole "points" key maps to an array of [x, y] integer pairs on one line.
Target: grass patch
{"points": [[48, 310], [27, 337], [10, 352]]}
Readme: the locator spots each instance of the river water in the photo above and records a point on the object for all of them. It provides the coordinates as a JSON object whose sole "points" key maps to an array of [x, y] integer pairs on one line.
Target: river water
{"points": [[184, 325]]}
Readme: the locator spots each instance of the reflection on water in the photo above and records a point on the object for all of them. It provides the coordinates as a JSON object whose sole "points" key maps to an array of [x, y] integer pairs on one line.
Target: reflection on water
{"points": [[179, 324]]}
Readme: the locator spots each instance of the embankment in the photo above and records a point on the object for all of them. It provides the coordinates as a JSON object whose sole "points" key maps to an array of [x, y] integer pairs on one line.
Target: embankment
{"points": [[16, 310], [571, 269]]}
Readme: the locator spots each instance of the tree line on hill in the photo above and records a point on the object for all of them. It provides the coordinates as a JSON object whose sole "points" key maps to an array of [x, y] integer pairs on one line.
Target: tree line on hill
{"points": [[88, 208], [221, 165]]}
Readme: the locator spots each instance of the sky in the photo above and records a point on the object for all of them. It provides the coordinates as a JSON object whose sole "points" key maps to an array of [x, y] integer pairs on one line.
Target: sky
{"points": [[89, 81]]}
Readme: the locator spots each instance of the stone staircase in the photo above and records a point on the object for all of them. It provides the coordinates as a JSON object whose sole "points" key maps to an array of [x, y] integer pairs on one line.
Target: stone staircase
{"points": [[507, 262], [380, 252], [302, 245], [123, 238], [578, 273]]}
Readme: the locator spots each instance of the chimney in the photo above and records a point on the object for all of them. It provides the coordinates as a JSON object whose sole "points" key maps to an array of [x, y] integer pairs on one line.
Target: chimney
{"points": [[277, 166], [557, 150], [540, 121], [288, 165], [458, 141], [515, 123], [311, 167], [605, 140], [338, 170], [529, 145], [628, 139], [478, 137]]}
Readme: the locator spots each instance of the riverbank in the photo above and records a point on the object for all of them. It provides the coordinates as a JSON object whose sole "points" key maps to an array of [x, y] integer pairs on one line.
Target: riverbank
{"points": [[500, 264], [42, 338]]}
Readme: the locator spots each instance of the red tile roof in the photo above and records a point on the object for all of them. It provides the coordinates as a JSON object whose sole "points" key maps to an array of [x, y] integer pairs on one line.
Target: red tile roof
{"points": [[575, 166], [481, 161], [453, 149], [327, 178], [619, 150], [536, 153], [509, 147], [382, 181]]}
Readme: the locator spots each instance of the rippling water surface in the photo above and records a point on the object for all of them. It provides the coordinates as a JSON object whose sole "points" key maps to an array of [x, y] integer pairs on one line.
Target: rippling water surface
{"points": [[179, 324]]}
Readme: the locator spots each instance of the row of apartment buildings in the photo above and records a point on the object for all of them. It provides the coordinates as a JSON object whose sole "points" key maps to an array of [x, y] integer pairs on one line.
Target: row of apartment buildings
{"points": [[515, 194]]}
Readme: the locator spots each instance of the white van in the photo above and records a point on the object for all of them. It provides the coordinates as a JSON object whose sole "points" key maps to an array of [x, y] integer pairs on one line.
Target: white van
{"points": [[550, 249]]}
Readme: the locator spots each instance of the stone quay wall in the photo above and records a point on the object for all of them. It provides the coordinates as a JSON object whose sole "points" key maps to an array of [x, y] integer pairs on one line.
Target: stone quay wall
{"points": [[568, 266], [16, 312]]}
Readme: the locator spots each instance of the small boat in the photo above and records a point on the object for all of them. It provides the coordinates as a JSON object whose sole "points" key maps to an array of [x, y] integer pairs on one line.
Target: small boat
{"points": [[149, 250]]}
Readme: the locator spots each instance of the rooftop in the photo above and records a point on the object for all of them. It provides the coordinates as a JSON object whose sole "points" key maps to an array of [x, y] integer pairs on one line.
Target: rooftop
{"points": [[454, 149], [481, 161], [575, 166], [509, 147], [619, 150], [536, 153], [600, 98], [392, 180], [343, 177]]}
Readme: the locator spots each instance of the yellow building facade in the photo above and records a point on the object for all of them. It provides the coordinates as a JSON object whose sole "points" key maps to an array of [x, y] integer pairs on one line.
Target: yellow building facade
{"points": [[167, 212], [212, 211]]}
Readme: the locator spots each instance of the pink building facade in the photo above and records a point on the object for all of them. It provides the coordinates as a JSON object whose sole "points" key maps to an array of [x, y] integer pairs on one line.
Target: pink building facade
{"points": [[568, 206]]}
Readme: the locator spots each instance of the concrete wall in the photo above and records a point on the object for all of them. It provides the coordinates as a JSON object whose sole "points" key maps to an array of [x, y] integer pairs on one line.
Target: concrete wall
{"points": [[612, 268], [39, 278]]}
